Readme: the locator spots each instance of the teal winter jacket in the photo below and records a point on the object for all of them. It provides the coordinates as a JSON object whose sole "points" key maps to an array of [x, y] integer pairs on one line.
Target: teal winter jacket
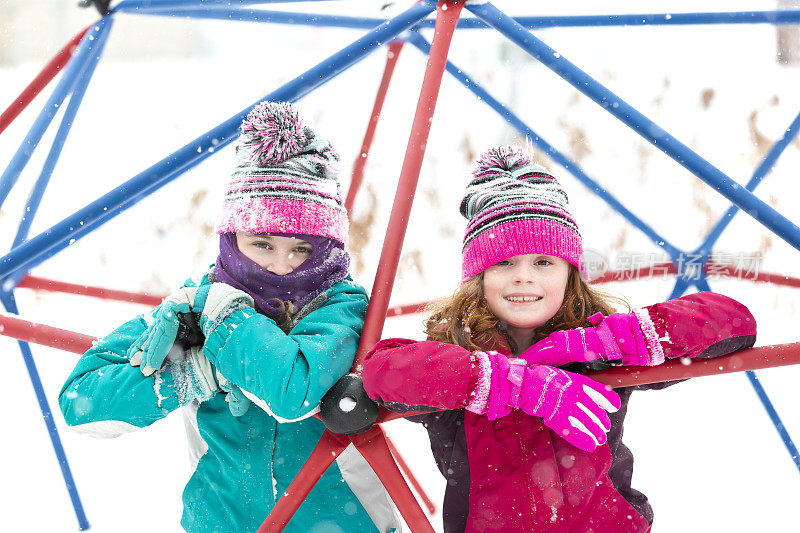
{"points": [[242, 464]]}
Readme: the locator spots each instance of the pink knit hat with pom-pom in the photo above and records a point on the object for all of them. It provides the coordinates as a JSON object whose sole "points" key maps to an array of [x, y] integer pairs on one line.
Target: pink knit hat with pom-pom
{"points": [[516, 207], [285, 179]]}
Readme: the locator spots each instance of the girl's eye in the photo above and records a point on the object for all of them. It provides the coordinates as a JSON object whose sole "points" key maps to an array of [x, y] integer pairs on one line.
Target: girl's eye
{"points": [[504, 262], [303, 250], [263, 245], [543, 262]]}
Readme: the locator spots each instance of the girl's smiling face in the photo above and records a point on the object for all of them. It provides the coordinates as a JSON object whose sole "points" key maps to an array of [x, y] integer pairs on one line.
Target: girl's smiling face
{"points": [[524, 292], [279, 255]]}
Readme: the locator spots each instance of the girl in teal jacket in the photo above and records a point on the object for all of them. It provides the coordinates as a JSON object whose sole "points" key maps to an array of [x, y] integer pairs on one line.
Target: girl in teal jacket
{"points": [[280, 319]]}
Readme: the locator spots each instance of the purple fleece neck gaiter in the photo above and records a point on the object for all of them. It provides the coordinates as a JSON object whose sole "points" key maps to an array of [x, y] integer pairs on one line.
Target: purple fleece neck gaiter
{"points": [[327, 264]]}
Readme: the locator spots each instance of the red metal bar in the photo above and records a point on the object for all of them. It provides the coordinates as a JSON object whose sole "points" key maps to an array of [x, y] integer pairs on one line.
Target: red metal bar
{"points": [[749, 359], [41, 80], [715, 268], [329, 447], [410, 476], [375, 449], [63, 339], [762, 277], [757, 358], [372, 444], [447, 13], [392, 55], [407, 309], [43, 284]]}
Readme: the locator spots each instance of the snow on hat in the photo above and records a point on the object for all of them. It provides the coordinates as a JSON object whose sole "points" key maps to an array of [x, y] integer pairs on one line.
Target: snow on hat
{"points": [[516, 207], [285, 180]]}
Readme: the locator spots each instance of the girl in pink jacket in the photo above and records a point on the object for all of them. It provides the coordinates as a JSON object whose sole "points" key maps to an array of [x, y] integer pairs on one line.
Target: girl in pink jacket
{"points": [[525, 443]]}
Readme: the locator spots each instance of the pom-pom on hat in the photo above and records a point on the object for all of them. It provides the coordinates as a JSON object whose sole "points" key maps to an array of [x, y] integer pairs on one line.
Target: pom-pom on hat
{"points": [[285, 180], [516, 207], [273, 133]]}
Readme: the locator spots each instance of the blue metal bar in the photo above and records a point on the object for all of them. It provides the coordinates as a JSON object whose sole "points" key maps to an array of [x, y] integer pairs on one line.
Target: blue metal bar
{"points": [[681, 284], [704, 250], [702, 284], [225, 11], [10, 304], [773, 415], [65, 85], [109, 205], [128, 5], [758, 175], [75, 100], [780, 16], [15, 277], [768, 407], [275, 17], [570, 166], [646, 128], [7, 297]]}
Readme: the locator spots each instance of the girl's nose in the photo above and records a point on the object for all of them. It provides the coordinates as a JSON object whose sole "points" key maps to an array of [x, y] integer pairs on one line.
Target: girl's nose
{"points": [[280, 266], [523, 273]]}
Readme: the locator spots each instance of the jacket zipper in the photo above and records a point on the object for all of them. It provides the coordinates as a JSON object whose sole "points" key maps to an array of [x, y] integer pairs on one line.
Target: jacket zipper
{"points": [[526, 469]]}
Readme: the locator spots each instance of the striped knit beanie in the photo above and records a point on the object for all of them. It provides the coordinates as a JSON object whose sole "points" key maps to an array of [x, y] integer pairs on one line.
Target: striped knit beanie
{"points": [[516, 207], [285, 179]]}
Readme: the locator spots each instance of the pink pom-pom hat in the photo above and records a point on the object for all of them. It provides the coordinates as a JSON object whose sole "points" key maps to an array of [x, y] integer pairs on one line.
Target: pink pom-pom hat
{"points": [[516, 207], [285, 179]]}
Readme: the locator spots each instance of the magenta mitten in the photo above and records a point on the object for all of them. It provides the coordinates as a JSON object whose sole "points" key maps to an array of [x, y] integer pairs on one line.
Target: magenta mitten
{"points": [[616, 337], [500, 388], [572, 405]]}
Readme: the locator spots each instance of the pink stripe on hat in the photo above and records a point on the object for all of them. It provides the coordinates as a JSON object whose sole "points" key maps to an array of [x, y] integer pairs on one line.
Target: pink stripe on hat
{"points": [[531, 236], [266, 215], [286, 178], [516, 207]]}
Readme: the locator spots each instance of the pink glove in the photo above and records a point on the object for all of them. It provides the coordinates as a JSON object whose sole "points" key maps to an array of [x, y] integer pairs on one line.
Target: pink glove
{"points": [[616, 337], [572, 405]]}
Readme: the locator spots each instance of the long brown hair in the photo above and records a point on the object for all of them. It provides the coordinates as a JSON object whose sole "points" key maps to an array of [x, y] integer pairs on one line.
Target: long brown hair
{"points": [[464, 318]]}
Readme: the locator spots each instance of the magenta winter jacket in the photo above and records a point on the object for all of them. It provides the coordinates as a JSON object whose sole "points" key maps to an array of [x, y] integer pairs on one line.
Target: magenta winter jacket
{"points": [[514, 474]]}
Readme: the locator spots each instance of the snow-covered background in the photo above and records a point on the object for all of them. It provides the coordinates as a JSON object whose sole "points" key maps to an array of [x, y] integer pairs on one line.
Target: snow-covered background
{"points": [[707, 455]]}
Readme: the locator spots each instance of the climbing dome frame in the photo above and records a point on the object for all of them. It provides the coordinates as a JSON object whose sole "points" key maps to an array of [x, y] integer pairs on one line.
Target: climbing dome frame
{"points": [[77, 62]]}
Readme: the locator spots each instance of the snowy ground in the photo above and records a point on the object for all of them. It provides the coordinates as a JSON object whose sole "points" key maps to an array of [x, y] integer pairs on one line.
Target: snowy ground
{"points": [[707, 455]]}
